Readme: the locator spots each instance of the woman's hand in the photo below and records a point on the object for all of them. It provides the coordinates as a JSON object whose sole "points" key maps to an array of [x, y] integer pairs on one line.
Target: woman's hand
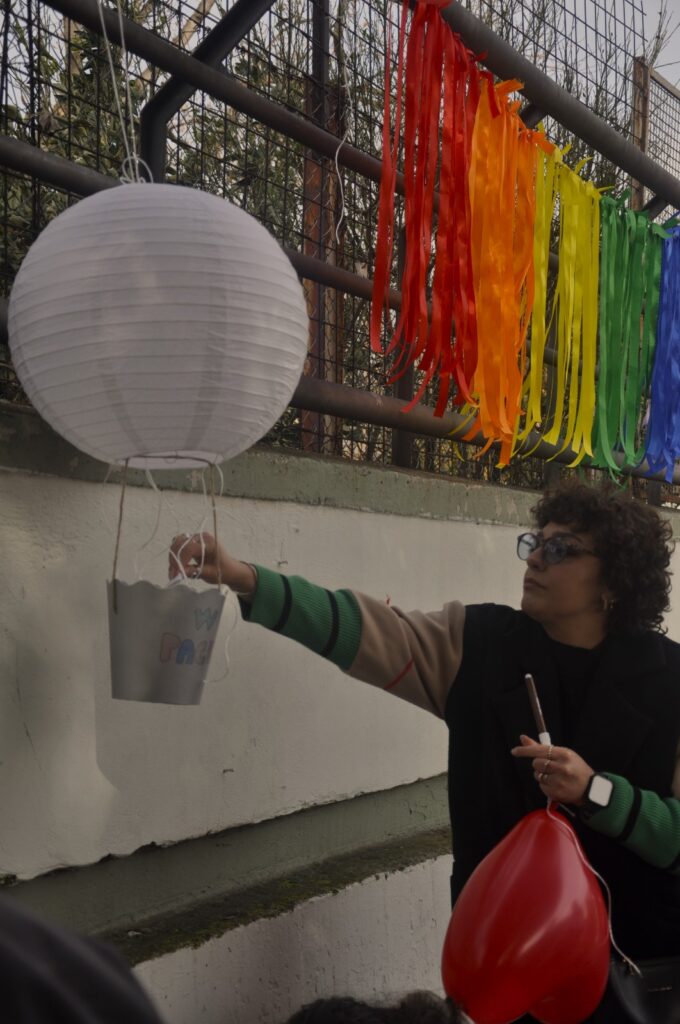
{"points": [[202, 558], [562, 775]]}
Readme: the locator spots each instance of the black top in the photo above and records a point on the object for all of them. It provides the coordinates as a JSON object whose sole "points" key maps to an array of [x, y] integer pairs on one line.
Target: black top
{"points": [[575, 670], [618, 707]]}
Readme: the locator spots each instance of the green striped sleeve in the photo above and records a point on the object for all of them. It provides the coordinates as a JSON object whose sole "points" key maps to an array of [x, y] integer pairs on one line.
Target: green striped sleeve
{"points": [[328, 622], [644, 822]]}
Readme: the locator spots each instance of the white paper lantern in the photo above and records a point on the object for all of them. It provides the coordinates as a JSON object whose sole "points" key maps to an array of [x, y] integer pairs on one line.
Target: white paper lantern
{"points": [[154, 321]]}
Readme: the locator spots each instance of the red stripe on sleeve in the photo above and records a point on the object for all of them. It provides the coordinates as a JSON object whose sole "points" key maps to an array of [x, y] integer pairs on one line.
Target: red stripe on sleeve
{"points": [[400, 676]]}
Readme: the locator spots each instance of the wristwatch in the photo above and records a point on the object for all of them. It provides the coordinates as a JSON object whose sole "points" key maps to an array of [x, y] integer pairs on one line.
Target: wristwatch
{"points": [[598, 793]]}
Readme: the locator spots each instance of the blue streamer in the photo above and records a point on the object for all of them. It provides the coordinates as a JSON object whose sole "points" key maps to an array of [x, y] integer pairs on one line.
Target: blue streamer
{"points": [[663, 432]]}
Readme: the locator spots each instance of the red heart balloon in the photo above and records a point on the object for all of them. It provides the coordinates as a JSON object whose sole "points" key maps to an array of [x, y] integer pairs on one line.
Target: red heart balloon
{"points": [[529, 932]]}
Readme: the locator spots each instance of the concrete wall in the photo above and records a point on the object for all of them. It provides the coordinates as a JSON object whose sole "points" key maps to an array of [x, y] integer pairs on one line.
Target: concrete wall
{"points": [[376, 941], [283, 730], [288, 837]]}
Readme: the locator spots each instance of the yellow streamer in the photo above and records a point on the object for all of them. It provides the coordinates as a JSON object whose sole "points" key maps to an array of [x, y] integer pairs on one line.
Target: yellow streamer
{"points": [[575, 309], [546, 199]]}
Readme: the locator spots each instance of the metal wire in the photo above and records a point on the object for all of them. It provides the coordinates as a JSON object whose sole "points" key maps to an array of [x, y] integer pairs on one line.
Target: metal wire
{"points": [[57, 94], [664, 124]]}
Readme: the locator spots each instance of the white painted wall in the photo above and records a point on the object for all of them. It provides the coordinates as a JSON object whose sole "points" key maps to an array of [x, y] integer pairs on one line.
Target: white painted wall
{"points": [[374, 941], [82, 776]]}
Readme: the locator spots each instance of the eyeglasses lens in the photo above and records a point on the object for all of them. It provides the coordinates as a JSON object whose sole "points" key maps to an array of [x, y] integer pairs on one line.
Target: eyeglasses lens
{"points": [[555, 550], [526, 543]]}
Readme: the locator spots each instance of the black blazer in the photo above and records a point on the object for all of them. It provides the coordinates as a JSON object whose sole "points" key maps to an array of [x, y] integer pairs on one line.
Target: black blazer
{"points": [[630, 726]]}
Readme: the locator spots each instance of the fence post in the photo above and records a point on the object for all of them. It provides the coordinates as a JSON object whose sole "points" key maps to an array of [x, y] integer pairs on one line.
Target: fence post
{"points": [[314, 220], [402, 440], [640, 123]]}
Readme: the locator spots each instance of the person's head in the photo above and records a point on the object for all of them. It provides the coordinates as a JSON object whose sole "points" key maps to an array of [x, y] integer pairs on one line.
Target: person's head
{"points": [[600, 564], [415, 1008]]}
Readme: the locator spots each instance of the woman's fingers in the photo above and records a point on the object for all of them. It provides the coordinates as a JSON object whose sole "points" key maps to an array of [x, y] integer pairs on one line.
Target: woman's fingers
{"points": [[538, 750], [561, 773], [193, 555]]}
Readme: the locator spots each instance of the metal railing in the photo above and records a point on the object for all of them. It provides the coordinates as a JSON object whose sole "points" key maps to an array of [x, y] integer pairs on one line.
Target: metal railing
{"points": [[315, 259]]}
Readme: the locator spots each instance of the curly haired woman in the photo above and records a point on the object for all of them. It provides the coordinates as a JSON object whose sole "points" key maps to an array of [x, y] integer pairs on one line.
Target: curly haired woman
{"points": [[416, 1008], [595, 590]]}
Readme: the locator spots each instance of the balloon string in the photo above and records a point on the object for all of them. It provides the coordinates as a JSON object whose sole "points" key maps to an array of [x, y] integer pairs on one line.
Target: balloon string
{"points": [[214, 512], [229, 629], [584, 860], [117, 548]]}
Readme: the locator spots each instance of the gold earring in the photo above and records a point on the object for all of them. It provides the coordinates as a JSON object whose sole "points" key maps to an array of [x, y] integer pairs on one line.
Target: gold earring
{"points": [[607, 603]]}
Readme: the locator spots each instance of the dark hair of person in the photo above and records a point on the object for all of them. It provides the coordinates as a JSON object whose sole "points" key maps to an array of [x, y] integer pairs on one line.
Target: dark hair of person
{"points": [[415, 1008], [633, 542]]}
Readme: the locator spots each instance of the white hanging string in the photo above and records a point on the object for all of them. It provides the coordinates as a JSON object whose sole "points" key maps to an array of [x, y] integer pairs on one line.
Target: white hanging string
{"points": [[159, 508], [544, 737], [128, 94], [229, 632], [633, 967], [198, 533], [130, 168], [348, 95]]}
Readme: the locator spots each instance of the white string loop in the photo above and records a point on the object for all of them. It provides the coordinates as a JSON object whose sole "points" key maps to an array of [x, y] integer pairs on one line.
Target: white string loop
{"points": [[348, 94], [633, 967], [130, 168]]}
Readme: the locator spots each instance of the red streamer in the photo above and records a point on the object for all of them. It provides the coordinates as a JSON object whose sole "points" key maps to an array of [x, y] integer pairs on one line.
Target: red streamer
{"points": [[442, 93]]}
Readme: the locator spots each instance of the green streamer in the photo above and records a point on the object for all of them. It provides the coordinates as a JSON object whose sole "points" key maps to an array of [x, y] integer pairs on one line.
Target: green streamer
{"points": [[630, 277]]}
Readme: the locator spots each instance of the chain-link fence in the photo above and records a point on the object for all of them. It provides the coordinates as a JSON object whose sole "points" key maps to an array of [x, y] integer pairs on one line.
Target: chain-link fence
{"points": [[325, 60], [663, 123]]}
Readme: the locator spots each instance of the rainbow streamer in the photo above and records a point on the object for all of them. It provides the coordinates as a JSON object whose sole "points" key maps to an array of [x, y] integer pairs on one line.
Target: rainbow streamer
{"points": [[503, 203], [439, 103], [662, 447], [477, 262], [575, 312], [630, 275]]}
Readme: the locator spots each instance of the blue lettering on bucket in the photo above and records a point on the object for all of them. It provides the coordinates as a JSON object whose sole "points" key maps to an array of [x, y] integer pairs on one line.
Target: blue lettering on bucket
{"points": [[206, 617], [184, 652]]}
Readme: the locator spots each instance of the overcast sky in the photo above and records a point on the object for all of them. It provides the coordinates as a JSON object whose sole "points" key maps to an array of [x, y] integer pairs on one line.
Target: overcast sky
{"points": [[668, 63]]}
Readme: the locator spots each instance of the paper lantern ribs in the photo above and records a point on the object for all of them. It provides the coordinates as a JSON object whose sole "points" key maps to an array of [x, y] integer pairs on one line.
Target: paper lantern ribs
{"points": [[158, 326], [151, 322]]}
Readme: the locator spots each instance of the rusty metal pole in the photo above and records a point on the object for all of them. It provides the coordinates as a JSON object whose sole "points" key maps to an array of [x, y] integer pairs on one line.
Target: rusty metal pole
{"points": [[314, 218], [402, 440], [640, 124]]}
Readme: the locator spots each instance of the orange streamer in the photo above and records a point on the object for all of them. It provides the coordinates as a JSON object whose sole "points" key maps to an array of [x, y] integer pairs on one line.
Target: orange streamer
{"points": [[503, 202]]}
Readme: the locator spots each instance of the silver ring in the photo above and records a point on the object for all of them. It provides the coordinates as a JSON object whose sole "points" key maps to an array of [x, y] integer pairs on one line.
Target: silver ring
{"points": [[547, 765], [542, 777]]}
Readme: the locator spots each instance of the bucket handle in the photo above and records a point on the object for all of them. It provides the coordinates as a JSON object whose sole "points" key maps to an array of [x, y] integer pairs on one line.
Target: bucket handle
{"points": [[120, 520]]}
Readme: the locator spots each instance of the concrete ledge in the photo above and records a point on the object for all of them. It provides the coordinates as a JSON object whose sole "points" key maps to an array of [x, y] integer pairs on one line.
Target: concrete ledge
{"points": [[28, 444], [196, 925], [159, 899]]}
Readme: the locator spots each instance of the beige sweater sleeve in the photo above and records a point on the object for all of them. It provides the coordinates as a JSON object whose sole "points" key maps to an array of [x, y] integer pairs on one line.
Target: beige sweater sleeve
{"points": [[415, 655]]}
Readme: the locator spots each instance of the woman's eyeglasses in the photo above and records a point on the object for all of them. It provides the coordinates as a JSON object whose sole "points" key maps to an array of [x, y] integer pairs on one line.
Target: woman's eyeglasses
{"points": [[555, 549]]}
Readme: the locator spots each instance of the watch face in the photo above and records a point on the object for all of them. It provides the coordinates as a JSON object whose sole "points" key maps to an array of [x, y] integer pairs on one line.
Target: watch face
{"points": [[600, 790]]}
